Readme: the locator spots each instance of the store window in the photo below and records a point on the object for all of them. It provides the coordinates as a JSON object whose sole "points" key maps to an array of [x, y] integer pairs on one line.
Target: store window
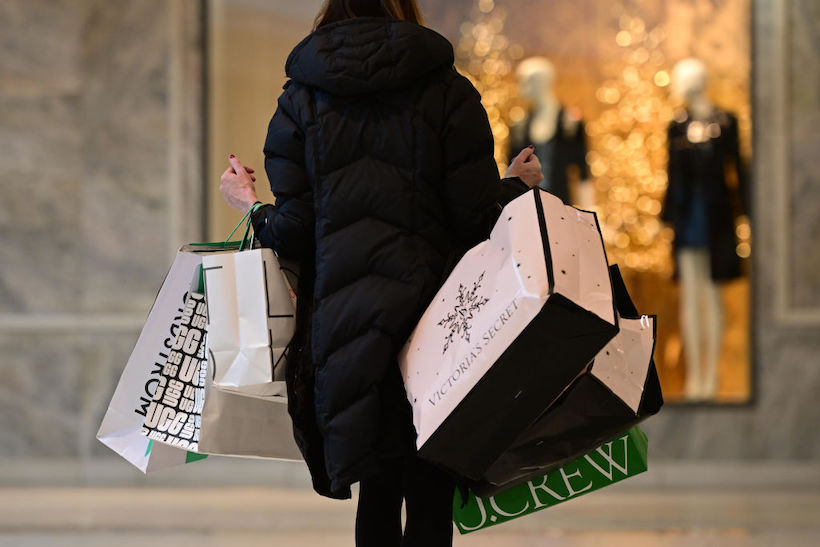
{"points": [[639, 110]]}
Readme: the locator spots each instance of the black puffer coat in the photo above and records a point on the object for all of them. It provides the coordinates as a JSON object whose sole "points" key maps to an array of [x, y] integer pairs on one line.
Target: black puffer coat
{"points": [[380, 156]]}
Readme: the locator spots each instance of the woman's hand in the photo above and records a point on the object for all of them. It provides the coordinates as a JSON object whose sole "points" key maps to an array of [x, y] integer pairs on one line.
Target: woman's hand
{"points": [[236, 185], [526, 167]]}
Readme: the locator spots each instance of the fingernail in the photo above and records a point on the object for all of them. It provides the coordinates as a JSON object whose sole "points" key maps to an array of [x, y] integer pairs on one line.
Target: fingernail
{"points": [[231, 156], [531, 146]]}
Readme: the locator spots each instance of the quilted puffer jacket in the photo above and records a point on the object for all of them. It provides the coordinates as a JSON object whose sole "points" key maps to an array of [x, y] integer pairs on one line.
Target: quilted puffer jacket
{"points": [[380, 156]]}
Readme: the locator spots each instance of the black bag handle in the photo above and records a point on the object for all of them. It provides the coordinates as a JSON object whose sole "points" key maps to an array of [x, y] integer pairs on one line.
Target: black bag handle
{"points": [[623, 302]]}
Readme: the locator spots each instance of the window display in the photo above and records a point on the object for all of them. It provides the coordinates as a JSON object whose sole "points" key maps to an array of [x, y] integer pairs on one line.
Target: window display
{"points": [[616, 99]]}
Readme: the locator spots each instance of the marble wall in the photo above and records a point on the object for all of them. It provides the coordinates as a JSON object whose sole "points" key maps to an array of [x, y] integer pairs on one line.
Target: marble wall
{"points": [[101, 128], [101, 178]]}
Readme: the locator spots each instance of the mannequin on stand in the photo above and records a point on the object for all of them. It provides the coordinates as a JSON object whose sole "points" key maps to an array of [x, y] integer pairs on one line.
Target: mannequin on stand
{"points": [[703, 143], [556, 132]]}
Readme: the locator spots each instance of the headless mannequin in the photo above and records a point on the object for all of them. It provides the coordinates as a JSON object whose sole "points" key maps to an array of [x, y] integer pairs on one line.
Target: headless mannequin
{"points": [[536, 83], [701, 309]]}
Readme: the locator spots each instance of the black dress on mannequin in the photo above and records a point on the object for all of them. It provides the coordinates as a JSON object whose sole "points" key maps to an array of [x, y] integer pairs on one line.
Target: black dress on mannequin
{"points": [[699, 203], [566, 147]]}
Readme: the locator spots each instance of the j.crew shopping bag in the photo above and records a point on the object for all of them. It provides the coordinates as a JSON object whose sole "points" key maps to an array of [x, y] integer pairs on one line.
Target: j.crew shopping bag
{"points": [[621, 458], [516, 321]]}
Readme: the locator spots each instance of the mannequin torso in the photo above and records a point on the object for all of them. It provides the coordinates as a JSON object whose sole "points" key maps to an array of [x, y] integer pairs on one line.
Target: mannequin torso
{"points": [[544, 120], [556, 132]]}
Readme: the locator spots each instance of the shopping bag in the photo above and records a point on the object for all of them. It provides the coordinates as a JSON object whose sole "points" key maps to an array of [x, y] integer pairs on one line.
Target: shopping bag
{"points": [[174, 416], [188, 411], [517, 320], [122, 424], [623, 457], [618, 389], [251, 314], [235, 424]]}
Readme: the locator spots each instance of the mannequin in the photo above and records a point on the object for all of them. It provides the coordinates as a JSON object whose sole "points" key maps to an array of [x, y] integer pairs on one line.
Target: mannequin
{"points": [[556, 132], [703, 141]]}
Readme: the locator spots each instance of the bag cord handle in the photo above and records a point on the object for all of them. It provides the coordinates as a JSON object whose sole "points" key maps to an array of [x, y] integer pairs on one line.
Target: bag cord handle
{"points": [[247, 220]]}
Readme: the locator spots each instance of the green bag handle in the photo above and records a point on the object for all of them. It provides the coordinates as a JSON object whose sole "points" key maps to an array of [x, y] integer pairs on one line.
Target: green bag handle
{"points": [[247, 220]]}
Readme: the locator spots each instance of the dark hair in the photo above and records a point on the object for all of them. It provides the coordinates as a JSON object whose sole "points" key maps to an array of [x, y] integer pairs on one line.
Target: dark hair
{"points": [[339, 10]]}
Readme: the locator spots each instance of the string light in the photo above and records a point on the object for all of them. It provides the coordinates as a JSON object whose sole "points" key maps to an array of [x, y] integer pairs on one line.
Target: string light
{"points": [[662, 78], [629, 142], [486, 57], [486, 6]]}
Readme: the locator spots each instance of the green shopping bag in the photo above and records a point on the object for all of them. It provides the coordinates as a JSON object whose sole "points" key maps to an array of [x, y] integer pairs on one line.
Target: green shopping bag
{"points": [[620, 458]]}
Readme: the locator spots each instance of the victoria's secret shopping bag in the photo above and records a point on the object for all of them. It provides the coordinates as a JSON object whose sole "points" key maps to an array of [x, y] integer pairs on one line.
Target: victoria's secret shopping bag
{"points": [[517, 320], [622, 457], [618, 389], [251, 314]]}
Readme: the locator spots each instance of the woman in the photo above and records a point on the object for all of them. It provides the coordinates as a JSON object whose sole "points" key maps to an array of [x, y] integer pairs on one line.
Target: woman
{"points": [[380, 156]]}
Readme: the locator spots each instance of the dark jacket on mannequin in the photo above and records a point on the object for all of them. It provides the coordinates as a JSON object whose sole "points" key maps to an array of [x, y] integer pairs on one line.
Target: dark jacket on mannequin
{"points": [[568, 149], [699, 158], [380, 156]]}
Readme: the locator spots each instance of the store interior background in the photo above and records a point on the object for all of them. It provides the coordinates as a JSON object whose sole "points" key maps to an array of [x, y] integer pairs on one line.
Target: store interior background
{"points": [[113, 149]]}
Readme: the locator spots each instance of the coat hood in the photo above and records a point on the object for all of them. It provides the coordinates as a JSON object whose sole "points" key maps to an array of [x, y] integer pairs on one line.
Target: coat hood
{"points": [[366, 55]]}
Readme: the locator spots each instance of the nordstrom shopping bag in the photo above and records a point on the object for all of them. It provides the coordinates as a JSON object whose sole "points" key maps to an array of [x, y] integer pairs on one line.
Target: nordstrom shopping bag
{"points": [[621, 458], [251, 314], [121, 427], [518, 319], [187, 411], [174, 416], [618, 389]]}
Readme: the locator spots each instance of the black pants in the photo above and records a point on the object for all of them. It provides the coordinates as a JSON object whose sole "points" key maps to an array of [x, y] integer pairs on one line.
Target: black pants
{"points": [[428, 495]]}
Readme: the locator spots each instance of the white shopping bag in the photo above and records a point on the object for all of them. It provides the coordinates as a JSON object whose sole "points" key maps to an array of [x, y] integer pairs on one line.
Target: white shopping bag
{"points": [[187, 411], [121, 427], [251, 319], [174, 415], [623, 364], [519, 317], [258, 426]]}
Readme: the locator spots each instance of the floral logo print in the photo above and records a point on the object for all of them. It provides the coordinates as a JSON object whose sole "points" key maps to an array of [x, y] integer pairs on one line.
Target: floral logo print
{"points": [[468, 302]]}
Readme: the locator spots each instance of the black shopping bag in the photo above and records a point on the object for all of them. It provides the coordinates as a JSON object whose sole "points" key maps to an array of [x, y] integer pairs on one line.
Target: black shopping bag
{"points": [[619, 389]]}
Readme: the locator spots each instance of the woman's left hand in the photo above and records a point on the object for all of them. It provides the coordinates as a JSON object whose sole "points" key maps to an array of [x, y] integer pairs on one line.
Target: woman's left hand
{"points": [[236, 185]]}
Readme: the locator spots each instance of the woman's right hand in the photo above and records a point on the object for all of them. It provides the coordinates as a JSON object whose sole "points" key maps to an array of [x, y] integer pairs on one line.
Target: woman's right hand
{"points": [[527, 167]]}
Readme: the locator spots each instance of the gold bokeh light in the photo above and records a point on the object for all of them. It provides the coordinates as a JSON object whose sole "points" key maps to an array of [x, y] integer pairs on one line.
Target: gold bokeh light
{"points": [[627, 139]]}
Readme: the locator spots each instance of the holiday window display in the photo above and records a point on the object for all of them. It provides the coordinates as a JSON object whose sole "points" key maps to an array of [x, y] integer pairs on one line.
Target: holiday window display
{"points": [[613, 72]]}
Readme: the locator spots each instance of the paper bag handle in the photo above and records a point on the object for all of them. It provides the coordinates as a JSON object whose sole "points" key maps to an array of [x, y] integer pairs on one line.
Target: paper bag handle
{"points": [[245, 219]]}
